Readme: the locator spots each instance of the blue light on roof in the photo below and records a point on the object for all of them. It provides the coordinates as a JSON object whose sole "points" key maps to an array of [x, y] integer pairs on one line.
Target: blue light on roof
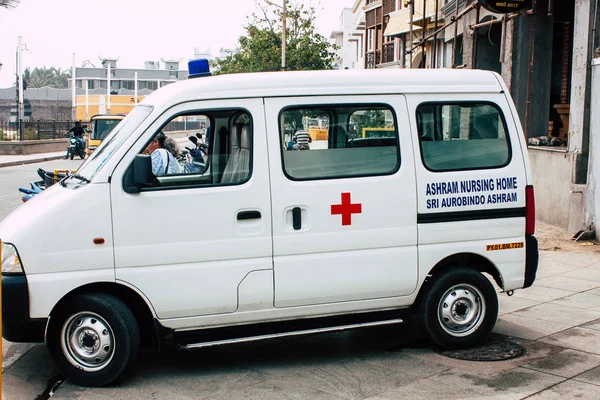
{"points": [[198, 68]]}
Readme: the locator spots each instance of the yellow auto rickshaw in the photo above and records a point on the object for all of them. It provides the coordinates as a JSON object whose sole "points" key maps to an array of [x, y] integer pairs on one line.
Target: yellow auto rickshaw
{"points": [[101, 125]]}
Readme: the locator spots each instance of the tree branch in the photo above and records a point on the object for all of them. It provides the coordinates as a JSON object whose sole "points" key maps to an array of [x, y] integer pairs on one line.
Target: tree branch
{"points": [[9, 3]]}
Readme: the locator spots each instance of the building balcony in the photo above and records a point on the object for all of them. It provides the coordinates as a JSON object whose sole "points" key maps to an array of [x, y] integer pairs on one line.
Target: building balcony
{"points": [[388, 53], [373, 59], [449, 8], [372, 4]]}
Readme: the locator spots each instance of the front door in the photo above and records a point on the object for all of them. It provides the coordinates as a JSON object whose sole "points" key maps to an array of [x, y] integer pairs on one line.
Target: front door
{"points": [[344, 201], [187, 241]]}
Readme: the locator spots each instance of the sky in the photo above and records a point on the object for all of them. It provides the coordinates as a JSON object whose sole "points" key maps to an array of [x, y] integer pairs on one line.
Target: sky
{"points": [[133, 30]]}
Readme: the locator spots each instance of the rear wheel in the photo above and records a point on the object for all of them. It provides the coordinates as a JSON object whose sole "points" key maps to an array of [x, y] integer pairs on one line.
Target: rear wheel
{"points": [[94, 339], [459, 308]]}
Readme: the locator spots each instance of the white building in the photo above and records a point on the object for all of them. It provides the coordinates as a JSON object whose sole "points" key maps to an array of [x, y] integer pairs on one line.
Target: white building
{"points": [[350, 37]]}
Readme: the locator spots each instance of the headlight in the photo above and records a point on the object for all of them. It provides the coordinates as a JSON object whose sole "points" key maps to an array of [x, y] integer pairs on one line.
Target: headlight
{"points": [[11, 263]]}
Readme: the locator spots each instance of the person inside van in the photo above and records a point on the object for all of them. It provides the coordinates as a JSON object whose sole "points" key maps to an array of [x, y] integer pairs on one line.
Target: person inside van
{"points": [[163, 151]]}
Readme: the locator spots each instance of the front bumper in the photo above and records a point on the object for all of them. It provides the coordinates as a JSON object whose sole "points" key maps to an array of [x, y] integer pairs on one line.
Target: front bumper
{"points": [[17, 325], [531, 260]]}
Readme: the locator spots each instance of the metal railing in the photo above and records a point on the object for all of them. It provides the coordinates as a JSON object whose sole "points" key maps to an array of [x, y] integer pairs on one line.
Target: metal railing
{"points": [[34, 130], [373, 59], [388, 53], [181, 126]]}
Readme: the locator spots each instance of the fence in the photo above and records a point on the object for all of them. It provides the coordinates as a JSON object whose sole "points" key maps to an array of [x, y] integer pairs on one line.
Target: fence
{"points": [[182, 126], [34, 130]]}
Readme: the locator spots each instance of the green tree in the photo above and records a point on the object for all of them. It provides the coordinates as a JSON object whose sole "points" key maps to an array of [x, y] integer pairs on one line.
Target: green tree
{"points": [[260, 49], [63, 77], [51, 77], [9, 3], [368, 119]]}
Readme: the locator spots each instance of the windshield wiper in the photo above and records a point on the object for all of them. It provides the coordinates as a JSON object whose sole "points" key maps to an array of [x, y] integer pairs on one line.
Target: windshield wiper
{"points": [[80, 177]]}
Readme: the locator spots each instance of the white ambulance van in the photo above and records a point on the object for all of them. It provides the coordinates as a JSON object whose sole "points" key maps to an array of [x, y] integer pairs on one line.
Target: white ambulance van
{"points": [[417, 199]]}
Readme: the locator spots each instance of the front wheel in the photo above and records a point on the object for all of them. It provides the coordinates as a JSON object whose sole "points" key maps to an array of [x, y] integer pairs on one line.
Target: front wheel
{"points": [[459, 309], [94, 339]]}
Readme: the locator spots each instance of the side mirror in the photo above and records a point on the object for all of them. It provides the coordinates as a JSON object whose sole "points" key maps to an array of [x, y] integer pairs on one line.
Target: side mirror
{"points": [[139, 174], [142, 170]]}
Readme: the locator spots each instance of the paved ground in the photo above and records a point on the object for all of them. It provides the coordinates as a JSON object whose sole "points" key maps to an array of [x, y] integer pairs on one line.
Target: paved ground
{"points": [[557, 321]]}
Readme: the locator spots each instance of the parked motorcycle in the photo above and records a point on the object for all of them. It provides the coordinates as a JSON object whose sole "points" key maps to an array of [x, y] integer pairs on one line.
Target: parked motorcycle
{"points": [[76, 147], [194, 159]]}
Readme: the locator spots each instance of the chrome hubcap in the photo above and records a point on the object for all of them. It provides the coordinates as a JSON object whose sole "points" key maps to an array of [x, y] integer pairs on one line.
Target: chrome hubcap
{"points": [[461, 310], [87, 341]]}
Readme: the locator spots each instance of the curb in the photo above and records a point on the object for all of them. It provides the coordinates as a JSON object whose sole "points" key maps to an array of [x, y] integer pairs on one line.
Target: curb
{"points": [[30, 161]]}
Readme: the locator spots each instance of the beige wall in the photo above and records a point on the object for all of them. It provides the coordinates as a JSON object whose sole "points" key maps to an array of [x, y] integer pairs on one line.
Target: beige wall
{"points": [[552, 185]]}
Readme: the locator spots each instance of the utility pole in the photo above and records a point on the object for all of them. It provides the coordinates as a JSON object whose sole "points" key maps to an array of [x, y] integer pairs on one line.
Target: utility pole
{"points": [[424, 42], [74, 90], [283, 33], [108, 87], [412, 13], [20, 88]]}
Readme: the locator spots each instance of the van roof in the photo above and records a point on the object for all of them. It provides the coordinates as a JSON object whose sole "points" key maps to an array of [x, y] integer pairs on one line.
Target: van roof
{"points": [[333, 82]]}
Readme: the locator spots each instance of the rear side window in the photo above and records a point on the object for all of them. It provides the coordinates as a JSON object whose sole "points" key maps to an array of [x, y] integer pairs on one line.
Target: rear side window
{"points": [[462, 136], [338, 141]]}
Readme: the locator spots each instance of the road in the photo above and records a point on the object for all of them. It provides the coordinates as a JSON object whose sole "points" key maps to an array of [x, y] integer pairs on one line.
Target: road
{"points": [[16, 356], [557, 322], [12, 178]]}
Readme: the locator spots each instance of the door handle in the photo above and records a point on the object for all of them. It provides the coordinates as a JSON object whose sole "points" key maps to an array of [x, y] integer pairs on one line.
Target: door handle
{"points": [[297, 218], [244, 215]]}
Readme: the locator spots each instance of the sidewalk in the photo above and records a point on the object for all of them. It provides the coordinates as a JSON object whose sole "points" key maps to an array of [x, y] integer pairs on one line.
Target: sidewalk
{"points": [[9, 161]]}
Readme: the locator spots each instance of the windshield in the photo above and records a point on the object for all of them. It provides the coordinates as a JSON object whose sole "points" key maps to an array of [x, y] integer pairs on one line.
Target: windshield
{"points": [[102, 127], [113, 141]]}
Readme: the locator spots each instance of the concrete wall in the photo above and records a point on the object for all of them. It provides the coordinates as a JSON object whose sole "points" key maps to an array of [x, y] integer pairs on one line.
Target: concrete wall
{"points": [[32, 146], [468, 38], [579, 116], [552, 184], [40, 109], [580, 79], [593, 198]]}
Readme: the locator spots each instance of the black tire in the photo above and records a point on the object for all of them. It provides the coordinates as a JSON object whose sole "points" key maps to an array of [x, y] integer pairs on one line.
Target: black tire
{"points": [[458, 309], [109, 339], [71, 154], [82, 155]]}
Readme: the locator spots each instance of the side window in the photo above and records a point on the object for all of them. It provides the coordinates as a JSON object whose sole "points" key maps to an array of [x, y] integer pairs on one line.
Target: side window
{"points": [[202, 149], [462, 136], [333, 141]]}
